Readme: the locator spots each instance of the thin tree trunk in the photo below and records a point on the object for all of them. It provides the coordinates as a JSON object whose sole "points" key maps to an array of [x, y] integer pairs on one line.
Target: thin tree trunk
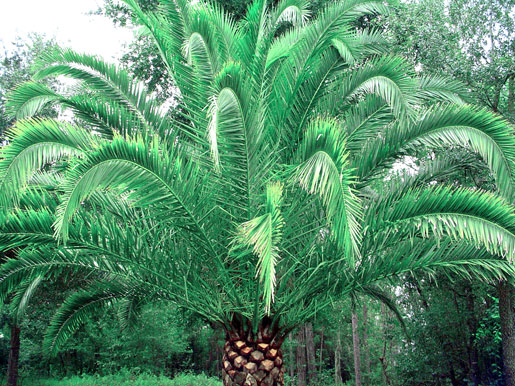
{"points": [[211, 354], [291, 358], [445, 345], [507, 319], [472, 329], [338, 359], [310, 352], [365, 344], [511, 97], [320, 357], [382, 359], [497, 95], [14, 355], [301, 358], [356, 348]]}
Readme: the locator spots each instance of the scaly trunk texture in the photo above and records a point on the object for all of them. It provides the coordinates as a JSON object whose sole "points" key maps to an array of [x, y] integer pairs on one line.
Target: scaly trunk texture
{"points": [[253, 360], [14, 354], [507, 319]]}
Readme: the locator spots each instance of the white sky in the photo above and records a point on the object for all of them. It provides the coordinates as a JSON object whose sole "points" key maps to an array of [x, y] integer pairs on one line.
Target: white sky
{"points": [[65, 20]]}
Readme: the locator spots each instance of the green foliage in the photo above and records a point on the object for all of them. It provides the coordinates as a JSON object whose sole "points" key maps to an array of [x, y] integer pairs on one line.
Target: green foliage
{"points": [[127, 378], [271, 191], [469, 40], [16, 66], [450, 323]]}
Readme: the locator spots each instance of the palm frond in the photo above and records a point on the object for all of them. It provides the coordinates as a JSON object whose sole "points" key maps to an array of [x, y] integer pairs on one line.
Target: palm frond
{"points": [[476, 129], [76, 309], [24, 293], [482, 219], [34, 144], [149, 173], [263, 234], [324, 171], [438, 88], [28, 99]]}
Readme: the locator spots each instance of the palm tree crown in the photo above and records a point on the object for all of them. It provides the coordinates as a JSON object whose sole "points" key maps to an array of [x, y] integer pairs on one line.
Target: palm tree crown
{"points": [[268, 192]]}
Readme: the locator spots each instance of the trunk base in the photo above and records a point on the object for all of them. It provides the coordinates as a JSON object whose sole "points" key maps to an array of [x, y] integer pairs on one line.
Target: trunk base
{"points": [[248, 363]]}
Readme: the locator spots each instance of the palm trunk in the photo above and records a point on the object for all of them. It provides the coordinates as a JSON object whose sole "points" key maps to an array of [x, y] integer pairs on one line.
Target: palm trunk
{"points": [[507, 319], [249, 362], [355, 343], [14, 354]]}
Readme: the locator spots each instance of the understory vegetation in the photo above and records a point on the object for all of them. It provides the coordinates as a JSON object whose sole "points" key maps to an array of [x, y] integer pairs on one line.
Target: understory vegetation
{"points": [[126, 378]]}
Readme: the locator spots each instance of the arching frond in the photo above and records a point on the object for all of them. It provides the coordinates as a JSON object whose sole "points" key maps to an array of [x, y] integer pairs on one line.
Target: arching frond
{"points": [[483, 219], [33, 145], [295, 12], [77, 308], [28, 99], [150, 174], [324, 171], [387, 77], [437, 88], [476, 129], [24, 293]]}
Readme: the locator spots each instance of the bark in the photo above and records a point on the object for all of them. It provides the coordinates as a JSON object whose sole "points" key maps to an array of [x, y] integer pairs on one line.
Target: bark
{"points": [[365, 344], [14, 354], [301, 358], [507, 319], [498, 86], [444, 343], [321, 356], [338, 359], [382, 359], [356, 348], [511, 96], [291, 359], [252, 362], [310, 352], [472, 325]]}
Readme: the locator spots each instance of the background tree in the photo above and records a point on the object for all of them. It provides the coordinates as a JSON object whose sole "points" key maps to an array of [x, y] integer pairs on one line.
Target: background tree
{"points": [[472, 41], [17, 66]]}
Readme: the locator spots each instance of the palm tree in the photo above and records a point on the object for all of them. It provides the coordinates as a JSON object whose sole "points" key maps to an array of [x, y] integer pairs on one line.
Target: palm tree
{"points": [[272, 188]]}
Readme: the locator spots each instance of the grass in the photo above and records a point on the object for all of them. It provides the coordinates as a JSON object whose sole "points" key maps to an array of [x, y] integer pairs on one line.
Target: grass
{"points": [[126, 379]]}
